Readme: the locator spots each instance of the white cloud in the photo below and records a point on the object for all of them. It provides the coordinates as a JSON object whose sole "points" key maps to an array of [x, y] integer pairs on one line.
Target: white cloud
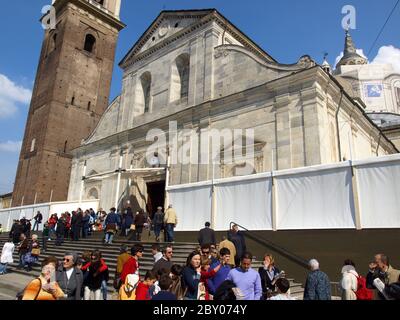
{"points": [[10, 146], [10, 95], [340, 56], [389, 54], [7, 108]]}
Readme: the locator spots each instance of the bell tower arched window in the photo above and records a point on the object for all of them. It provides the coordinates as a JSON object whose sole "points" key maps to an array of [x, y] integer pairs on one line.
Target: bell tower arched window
{"points": [[90, 43]]}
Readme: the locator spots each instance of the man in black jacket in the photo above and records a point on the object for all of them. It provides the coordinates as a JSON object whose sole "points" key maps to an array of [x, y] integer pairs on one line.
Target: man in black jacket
{"points": [[70, 278], [38, 220], [76, 223], [206, 235], [16, 231], [235, 236], [165, 262]]}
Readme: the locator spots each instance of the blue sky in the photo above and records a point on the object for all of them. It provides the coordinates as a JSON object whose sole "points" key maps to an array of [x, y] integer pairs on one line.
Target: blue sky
{"points": [[286, 29]]}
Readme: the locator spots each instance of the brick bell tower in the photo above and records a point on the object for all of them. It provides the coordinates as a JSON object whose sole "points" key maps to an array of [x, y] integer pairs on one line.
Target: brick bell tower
{"points": [[70, 94]]}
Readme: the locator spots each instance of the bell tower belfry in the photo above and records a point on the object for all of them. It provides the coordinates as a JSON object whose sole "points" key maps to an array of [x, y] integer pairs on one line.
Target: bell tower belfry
{"points": [[70, 94]]}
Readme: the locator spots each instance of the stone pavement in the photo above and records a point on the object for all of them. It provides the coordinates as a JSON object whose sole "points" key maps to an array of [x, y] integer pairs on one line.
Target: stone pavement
{"points": [[11, 284]]}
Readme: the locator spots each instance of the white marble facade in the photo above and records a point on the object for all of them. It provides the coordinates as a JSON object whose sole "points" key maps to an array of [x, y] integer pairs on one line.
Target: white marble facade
{"points": [[196, 68]]}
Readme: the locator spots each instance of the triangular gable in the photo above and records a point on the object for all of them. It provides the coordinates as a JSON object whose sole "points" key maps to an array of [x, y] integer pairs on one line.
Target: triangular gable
{"points": [[169, 23], [163, 27]]}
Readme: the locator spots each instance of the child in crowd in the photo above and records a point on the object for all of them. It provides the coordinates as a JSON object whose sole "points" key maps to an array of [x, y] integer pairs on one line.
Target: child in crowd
{"points": [[142, 290]]}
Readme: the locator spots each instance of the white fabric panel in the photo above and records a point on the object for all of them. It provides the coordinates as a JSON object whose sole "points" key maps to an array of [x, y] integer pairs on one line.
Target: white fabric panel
{"points": [[26, 212], [4, 215], [44, 210], [14, 215], [315, 200], [193, 207], [62, 207], [379, 195], [247, 203]]}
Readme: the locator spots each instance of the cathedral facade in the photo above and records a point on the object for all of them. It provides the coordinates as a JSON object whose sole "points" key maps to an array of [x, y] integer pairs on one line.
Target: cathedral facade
{"points": [[194, 71]]}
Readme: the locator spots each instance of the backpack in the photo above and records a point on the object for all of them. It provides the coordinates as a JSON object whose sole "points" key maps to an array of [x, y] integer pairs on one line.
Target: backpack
{"points": [[159, 218], [363, 293]]}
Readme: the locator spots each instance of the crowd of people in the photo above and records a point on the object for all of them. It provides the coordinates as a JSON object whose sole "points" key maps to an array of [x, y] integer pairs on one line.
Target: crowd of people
{"points": [[215, 271]]}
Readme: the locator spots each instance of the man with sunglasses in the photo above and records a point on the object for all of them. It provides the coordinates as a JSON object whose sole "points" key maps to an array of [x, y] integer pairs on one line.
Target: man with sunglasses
{"points": [[165, 262], [206, 251], [70, 278]]}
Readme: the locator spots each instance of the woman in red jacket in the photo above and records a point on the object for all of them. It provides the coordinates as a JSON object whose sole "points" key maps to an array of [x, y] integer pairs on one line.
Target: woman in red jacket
{"points": [[52, 225], [97, 273], [142, 290], [206, 274]]}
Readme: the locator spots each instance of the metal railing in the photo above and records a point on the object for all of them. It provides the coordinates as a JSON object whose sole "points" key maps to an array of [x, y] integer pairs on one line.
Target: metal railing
{"points": [[335, 286], [267, 243]]}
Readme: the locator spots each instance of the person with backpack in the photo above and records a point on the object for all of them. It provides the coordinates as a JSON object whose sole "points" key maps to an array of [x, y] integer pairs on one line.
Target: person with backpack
{"points": [[349, 281], [158, 223], [112, 223], [354, 286], [139, 221]]}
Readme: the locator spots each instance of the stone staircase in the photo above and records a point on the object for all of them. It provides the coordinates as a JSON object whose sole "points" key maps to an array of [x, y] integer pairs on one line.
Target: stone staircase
{"points": [[111, 252]]}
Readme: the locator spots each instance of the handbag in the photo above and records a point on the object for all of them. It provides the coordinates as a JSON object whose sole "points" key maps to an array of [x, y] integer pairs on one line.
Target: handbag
{"points": [[133, 227], [35, 252], [111, 227]]}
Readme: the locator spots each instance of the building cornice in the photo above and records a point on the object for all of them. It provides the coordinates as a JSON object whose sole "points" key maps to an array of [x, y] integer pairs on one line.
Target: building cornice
{"points": [[101, 14]]}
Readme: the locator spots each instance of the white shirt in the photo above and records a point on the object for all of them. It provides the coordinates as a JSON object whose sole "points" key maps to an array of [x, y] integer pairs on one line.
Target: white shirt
{"points": [[282, 296], [7, 253], [69, 273], [157, 256]]}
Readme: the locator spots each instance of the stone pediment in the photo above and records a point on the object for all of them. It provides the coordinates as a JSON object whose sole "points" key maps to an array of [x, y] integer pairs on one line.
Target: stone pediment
{"points": [[172, 25], [108, 123], [167, 24]]}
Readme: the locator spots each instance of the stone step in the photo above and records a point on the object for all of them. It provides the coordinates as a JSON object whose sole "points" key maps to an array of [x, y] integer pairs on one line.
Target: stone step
{"points": [[179, 254], [111, 252], [116, 241]]}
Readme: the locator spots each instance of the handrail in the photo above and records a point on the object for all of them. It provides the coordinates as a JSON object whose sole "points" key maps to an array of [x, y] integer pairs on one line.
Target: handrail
{"points": [[289, 255]]}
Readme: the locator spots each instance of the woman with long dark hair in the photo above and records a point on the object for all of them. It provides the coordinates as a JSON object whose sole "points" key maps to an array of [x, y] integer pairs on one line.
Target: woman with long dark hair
{"points": [[191, 275], [97, 273]]}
